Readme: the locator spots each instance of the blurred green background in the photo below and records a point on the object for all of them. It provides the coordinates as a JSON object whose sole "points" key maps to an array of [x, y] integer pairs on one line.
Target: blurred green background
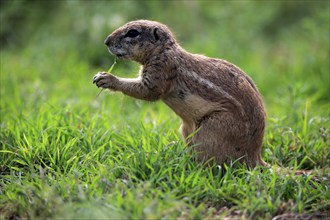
{"points": [[50, 50]]}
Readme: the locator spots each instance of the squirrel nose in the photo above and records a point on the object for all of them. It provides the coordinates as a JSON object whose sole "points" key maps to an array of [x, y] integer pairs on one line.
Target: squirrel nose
{"points": [[107, 41]]}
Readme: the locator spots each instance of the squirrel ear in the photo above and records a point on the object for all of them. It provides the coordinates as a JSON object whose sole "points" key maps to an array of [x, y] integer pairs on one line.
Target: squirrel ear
{"points": [[156, 36]]}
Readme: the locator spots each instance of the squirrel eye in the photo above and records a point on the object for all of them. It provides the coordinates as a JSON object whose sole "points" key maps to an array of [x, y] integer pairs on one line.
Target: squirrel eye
{"points": [[132, 33]]}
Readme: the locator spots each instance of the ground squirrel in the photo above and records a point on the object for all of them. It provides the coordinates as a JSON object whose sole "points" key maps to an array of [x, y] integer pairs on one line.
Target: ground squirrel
{"points": [[217, 102]]}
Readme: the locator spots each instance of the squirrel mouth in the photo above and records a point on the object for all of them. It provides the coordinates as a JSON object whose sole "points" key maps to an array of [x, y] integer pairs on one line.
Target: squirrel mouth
{"points": [[120, 55], [117, 54]]}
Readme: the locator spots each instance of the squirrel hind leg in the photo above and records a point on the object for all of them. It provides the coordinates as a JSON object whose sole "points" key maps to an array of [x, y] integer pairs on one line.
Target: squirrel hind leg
{"points": [[221, 138]]}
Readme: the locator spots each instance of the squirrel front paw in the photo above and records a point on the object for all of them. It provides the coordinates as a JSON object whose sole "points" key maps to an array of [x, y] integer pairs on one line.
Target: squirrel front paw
{"points": [[104, 80]]}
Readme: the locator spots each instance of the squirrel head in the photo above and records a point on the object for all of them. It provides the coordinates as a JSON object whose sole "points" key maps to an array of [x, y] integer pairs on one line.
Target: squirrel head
{"points": [[139, 40]]}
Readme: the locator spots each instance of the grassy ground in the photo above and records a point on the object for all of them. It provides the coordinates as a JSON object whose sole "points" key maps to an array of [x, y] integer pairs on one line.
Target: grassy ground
{"points": [[66, 153]]}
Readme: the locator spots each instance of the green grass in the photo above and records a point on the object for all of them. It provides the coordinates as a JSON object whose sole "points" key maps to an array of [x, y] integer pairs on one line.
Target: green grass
{"points": [[67, 153]]}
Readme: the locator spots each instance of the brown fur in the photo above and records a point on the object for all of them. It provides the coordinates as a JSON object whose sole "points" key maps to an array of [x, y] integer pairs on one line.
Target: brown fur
{"points": [[213, 97]]}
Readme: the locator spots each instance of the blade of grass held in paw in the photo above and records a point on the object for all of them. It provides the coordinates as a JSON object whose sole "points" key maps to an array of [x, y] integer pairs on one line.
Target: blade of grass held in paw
{"points": [[110, 69], [114, 63]]}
